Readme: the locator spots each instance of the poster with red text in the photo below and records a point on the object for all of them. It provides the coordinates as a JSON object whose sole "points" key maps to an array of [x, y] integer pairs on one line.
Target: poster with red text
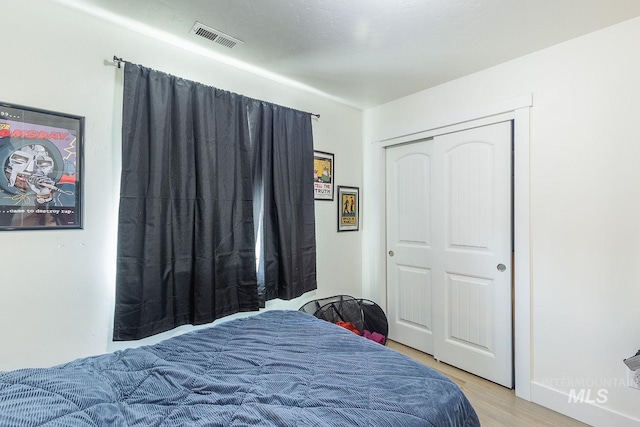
{"points": [[40, 156]]}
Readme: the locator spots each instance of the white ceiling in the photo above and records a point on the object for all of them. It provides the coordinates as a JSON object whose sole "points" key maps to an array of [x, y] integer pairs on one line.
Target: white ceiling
{"points": [[368, 52]]}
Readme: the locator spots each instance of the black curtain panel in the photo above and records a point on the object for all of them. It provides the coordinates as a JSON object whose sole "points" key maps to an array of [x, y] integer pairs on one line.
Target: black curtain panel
{"points": [[197, 176], [284, 201], [186, 247]]}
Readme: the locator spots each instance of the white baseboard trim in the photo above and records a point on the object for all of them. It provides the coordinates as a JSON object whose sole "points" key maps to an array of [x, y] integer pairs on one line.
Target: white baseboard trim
{"points": [[587, 411]]}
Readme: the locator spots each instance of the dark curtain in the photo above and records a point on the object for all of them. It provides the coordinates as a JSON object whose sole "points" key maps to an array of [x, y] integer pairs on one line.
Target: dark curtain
{"points": [[284, 202], [192, 164]]}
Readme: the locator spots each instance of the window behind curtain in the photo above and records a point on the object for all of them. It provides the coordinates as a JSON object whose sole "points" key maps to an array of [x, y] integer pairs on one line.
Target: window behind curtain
{"points": [[201, 167]]}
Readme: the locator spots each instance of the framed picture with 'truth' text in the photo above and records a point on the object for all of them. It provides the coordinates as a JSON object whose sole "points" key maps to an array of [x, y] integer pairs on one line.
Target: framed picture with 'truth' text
{"points": [[323, 175]]}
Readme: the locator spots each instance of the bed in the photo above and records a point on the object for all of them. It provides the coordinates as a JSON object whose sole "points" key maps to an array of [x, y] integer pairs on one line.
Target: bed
{"points": [[275, 368]]}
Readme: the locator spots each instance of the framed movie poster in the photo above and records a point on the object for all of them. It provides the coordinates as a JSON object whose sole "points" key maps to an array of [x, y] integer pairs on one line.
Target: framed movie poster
{"points": [[323, 175], [348, 208], [41, 160]]}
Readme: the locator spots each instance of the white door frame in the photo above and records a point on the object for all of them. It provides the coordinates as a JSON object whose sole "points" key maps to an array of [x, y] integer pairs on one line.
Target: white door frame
{"points": [[516, 109]]}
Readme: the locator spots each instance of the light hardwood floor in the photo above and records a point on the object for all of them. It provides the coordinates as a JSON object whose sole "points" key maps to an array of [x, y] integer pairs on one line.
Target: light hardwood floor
{"points": [[495, 405]]}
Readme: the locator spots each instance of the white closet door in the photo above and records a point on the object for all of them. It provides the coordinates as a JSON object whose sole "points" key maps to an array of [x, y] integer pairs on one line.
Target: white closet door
{"points": [[449, 230], [410, 250]]}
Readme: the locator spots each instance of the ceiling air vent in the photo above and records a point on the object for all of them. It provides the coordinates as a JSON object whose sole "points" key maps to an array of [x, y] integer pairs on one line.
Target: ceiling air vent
{"points": [[214, 35]]}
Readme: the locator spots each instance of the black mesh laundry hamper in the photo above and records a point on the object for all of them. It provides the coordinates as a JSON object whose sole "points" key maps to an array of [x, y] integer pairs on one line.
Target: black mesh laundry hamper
{"points": [[367, 316]]}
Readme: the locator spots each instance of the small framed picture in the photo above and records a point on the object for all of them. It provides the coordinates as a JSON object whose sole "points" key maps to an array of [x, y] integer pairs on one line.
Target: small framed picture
{"points": [[348, 208], [41, 160], [323, 168]]}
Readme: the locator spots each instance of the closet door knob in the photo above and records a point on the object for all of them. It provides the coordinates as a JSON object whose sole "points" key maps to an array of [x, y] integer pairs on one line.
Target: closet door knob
{"points": [[501, 267], [391, 253]]}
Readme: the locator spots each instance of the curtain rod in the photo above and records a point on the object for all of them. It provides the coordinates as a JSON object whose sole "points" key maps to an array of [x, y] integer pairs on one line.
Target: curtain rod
{"points": [[119, 61]]}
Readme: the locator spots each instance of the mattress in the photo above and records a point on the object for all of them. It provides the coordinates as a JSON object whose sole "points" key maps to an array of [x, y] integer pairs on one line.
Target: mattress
{"points": [[275, 368]]}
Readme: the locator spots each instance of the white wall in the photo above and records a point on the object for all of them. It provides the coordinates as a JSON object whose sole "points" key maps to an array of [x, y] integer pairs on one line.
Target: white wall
{"points": [[585, 208], [57, 287]]}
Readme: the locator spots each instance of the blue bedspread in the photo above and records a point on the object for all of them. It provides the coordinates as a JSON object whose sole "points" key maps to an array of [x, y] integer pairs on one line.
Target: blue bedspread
{"points": [[277, 368]]}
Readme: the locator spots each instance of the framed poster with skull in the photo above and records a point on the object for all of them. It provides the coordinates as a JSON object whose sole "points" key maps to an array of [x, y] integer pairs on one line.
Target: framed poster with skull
{"points": [[41, 161]]}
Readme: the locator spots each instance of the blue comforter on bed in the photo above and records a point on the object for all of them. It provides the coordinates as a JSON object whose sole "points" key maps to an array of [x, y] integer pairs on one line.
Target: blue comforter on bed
{"points": [[277, 368]]}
